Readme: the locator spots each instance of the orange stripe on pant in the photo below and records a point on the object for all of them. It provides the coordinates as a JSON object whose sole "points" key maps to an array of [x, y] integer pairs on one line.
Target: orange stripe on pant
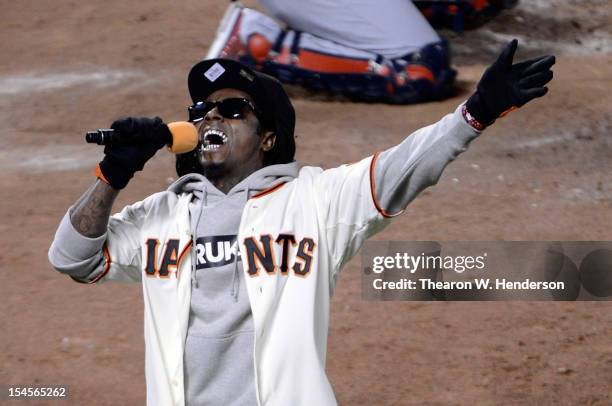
{"points": [[323, 63]]}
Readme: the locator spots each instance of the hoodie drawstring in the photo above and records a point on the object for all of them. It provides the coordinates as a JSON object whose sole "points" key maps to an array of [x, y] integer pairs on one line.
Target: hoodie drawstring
{"points": [[236, 276], [194, 279]]}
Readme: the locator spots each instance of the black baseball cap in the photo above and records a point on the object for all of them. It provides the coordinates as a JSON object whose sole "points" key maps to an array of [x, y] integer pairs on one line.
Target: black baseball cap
{"points": [[268, 94]]}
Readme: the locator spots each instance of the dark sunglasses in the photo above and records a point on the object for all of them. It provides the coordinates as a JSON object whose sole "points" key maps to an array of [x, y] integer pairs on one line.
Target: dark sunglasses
{"points": [[232, 108]]}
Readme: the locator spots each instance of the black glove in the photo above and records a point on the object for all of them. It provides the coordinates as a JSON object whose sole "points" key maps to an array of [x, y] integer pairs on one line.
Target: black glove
{"points": [[122, 161], [505, 86]]}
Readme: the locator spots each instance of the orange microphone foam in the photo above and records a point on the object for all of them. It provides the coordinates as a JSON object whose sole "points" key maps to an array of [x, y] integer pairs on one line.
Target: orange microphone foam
{"points": [[184, 137]]}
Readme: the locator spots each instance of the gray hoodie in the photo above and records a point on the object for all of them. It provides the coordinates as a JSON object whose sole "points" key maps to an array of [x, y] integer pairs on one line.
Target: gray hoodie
{"points": [[218, 358]]}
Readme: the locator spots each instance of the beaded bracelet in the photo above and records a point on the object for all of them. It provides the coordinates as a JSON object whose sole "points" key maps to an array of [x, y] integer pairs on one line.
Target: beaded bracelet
{"points": [[475, 124]]}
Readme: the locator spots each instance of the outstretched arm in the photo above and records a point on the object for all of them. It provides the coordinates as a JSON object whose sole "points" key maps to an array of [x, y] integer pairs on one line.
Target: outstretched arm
{"points": [[402, 172], [393, 178]]}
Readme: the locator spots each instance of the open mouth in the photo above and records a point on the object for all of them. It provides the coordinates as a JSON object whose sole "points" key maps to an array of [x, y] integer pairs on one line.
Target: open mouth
{"points": [[213, 140]]}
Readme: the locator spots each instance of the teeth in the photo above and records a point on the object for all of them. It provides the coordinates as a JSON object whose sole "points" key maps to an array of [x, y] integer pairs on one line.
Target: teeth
{"points": [[206, 144], [209, 147], [219, 133]]}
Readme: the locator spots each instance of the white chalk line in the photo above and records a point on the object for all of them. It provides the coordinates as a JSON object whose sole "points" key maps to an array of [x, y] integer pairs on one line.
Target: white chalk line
{"points": [[35, 82], [49, 158]]}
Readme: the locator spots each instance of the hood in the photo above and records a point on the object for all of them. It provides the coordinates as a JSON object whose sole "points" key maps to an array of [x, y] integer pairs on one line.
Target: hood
{"points": [[262, 179]]}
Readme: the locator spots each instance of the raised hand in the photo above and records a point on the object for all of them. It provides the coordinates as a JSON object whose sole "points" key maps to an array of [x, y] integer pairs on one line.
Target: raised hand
{"points": [[505, 86]]}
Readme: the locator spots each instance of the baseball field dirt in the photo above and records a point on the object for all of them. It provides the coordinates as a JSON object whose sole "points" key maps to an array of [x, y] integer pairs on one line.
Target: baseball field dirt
{"points": [[542, 173]]}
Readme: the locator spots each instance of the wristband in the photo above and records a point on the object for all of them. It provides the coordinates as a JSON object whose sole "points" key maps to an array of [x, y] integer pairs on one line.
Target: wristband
{"points": [[100, 175], [475, 124]]}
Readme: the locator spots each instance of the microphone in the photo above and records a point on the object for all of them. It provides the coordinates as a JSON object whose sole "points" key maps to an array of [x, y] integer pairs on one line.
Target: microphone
{"points": [[184, 137]]}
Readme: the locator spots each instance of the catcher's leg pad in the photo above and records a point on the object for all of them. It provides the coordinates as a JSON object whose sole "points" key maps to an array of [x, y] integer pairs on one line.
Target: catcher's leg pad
{"points": [[300, 58], [318, 64], [244, 33], [431, 62]]}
